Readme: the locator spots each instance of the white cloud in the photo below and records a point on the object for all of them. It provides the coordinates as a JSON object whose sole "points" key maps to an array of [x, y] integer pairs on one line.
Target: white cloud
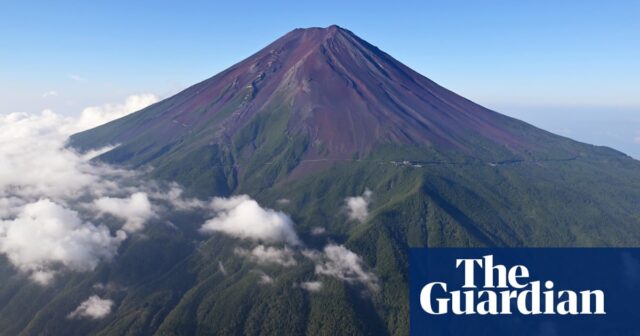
{"points": [[46, 236], [358, 207], [637, 140], [98, 115], [283, 201], [51, 93], [263, 278], [269, 255], [94, 308], [312, 286], [242, 217], [318, 231], [35, 161], [108, 287], [43, 186], [178, 201], [134, 210], [339, 262]]}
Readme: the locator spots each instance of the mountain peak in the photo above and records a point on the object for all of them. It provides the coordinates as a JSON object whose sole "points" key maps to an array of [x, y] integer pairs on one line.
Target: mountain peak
{"points": [[332, 29], [314, 36]]}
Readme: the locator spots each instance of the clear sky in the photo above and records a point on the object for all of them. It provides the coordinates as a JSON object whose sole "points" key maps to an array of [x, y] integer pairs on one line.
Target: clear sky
{"points": [[572, 67]]}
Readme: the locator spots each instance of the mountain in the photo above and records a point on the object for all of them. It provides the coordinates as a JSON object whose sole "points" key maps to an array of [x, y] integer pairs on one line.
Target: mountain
{"points": [[317, 116], [310, 99]]}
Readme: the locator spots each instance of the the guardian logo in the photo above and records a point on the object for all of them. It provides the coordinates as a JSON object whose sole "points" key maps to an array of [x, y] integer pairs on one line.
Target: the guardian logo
{"points": [[504, 292]]}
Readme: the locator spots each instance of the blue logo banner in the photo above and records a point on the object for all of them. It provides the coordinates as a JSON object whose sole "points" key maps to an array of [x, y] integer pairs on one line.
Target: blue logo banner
{"points": [[525, 291]]}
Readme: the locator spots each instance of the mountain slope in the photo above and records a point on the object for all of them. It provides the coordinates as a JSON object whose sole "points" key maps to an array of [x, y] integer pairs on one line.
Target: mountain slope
{"points": [[315, 117]]}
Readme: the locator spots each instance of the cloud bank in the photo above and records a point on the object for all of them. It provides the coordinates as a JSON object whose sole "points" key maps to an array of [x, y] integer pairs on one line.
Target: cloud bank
{"points": [[45, 236], [46, 189], [98, 115], [93, 308]]}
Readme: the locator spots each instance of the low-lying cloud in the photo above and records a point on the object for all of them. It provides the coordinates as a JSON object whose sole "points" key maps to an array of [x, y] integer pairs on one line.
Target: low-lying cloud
{"points": [[93, 308], [98, 115], [134, 210], [46, 189], [312, 286], [358, 207], [263, 278], [222, 269], [46, 236], [318, 231], [339, 262], [242, 217], [53, 199], [269, 255]]}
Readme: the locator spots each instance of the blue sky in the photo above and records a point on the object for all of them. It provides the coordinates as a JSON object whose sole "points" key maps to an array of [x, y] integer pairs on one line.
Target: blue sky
{"points": [[572, 67]]}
